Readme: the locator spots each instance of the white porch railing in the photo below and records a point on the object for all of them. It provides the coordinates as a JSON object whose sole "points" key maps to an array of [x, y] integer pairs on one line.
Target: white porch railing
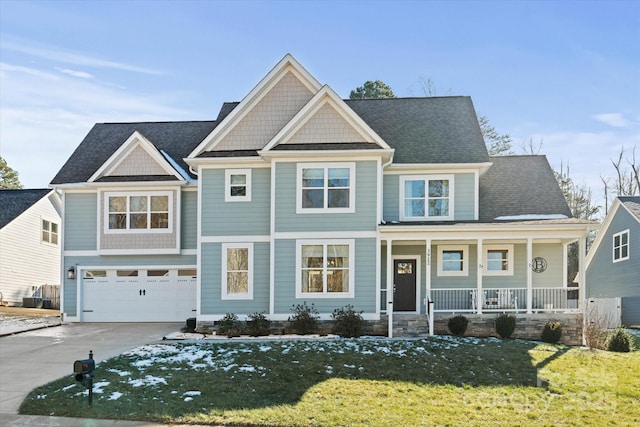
{"points": [[504, 300]]}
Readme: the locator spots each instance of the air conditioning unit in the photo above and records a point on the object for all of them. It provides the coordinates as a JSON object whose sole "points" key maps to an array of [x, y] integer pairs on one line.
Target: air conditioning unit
{"points": [[32, 302]]}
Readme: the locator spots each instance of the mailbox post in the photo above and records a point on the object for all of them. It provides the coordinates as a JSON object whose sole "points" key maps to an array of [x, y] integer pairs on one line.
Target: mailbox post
{"points": [[84, 373]]}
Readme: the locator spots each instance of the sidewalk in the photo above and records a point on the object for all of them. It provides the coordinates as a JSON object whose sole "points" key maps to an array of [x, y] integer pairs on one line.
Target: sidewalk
{"points": [[14, 320], [11, 420]]}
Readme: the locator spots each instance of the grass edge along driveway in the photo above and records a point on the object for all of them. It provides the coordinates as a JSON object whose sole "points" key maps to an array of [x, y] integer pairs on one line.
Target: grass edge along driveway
{"points": [[336, 382]]}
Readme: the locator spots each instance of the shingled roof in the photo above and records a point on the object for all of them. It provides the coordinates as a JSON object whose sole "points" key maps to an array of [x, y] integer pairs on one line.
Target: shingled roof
{"points": [[177, 139], [14, 202], [632, 203], [426, 130], [520, 186]]}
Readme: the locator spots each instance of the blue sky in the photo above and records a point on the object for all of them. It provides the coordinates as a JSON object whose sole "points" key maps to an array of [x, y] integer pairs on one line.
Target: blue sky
{"points": [[562, 73]]}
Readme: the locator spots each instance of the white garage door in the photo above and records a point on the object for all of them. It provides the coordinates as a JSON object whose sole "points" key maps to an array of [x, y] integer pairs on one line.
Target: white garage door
{"points": [[138, 295]]}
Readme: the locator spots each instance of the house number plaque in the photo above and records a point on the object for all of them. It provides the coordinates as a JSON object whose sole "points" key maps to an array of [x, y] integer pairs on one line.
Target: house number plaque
{"points": [[539, 264]]}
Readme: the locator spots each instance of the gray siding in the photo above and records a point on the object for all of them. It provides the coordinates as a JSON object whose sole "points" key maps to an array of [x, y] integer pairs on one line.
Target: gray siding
{"points": [[631, 311], [211, 295], [365, 280], [70, 289], [364, 218], [189, 220], [464, 197], [80, 222], [220, 218], [621, 279]]}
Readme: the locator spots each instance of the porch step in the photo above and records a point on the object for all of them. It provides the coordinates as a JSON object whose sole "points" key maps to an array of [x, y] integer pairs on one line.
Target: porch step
{"points": [[410, 325]]}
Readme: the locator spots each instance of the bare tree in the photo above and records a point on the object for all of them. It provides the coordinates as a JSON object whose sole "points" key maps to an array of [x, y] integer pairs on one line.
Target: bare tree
{"points": [[627, 181]]}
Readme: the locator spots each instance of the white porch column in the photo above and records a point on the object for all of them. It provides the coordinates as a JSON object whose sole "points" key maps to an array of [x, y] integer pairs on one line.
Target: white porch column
{"points": [[529, 276], [390, 287], [480, 294], [582, 283], [427, 279]]}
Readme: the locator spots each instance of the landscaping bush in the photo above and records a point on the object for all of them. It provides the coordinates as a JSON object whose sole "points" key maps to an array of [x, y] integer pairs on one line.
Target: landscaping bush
{"points": [[505, 325], [620, 341], [349, 323], [229, 325], [304, 319], [551, 332], [258, 325], [458, 325]]}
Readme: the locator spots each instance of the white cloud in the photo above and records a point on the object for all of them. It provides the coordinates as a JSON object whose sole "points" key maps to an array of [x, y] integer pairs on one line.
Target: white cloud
{"points": [[74, 73], [616, 120], [45, 115], [56, 54]]}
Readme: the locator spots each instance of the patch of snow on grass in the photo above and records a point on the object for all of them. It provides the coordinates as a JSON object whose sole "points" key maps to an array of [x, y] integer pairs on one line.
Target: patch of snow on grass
{"points": [[192, 393], [68, 387], [147, 381], [119, 372], [247, 368], [115, 395]]}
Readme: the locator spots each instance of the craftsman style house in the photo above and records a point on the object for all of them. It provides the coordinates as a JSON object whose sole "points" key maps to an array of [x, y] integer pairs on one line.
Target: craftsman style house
{"points": [[295, 195]]}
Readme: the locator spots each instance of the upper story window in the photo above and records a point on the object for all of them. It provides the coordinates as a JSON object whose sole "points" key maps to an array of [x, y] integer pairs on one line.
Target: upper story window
{"points": [[498, 260], [237, 185], [138, 212], [621, 246], [49, 232], [426, 197], [325, 269], [326, 187], [453, 260]]}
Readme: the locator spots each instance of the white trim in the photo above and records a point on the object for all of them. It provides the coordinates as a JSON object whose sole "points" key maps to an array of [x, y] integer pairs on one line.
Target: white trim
{"points": [[128, 194], [325, 167], [510, 260], [227, 185], [325, 96], [465, 260], [476, 195], [223, 271], [426, 178], [141, 251], [286, 64], [135, 140], [236, 239], [289, 235], [272, 243], [613, 246], [325, 294], [418, 260], [438, 168]]}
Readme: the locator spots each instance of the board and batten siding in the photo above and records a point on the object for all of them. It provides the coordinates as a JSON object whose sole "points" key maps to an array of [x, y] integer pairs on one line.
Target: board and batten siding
{"points": [[606, 278], [80, 222], [364, 286], [220, 218], [70, 288], [464, 196], [211, 279], [363, 219], [26, 262]]}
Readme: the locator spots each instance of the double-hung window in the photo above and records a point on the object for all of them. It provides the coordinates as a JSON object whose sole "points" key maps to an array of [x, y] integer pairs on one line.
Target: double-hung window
{"points": [[237, 271], [138, 212], [498, 260], [49, 232], [453, 260], [325, 269], [621, 246], [326, 187], [426, 198], [237, 185]]}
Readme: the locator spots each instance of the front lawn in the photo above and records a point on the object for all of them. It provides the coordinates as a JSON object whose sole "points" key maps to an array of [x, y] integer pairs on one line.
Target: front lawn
{"points": [[337, 382]]}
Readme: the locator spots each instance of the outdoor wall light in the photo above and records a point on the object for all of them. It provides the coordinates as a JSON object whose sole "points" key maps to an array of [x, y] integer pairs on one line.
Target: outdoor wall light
{"points": [[71, 273]]}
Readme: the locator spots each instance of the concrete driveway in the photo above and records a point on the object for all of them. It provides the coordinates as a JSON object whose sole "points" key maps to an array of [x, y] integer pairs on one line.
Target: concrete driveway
{"points": [[31, 359]]}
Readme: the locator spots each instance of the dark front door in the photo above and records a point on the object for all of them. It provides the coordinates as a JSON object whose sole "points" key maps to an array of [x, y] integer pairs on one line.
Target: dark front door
{"points": [[404, 289]]}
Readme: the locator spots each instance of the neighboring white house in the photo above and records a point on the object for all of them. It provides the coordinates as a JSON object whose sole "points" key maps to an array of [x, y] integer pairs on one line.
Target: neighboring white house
{"points": [[29, 243]]}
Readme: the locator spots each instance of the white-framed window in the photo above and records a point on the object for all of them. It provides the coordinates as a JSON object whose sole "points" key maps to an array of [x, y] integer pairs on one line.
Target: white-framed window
{"points": [[138, 212], [326, 187], [453, 260], [426, 198], [325, 269], [498, 260], [49, 232], [621, 246], [237, 185], [237, 271]]}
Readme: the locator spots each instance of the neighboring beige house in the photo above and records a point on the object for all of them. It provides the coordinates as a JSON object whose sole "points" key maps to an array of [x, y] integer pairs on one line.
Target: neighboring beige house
{"points": [[29, 244]]}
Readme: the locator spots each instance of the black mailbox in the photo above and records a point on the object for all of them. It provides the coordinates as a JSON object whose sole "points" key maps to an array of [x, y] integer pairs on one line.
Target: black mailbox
{"points": [[84, 371]]}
